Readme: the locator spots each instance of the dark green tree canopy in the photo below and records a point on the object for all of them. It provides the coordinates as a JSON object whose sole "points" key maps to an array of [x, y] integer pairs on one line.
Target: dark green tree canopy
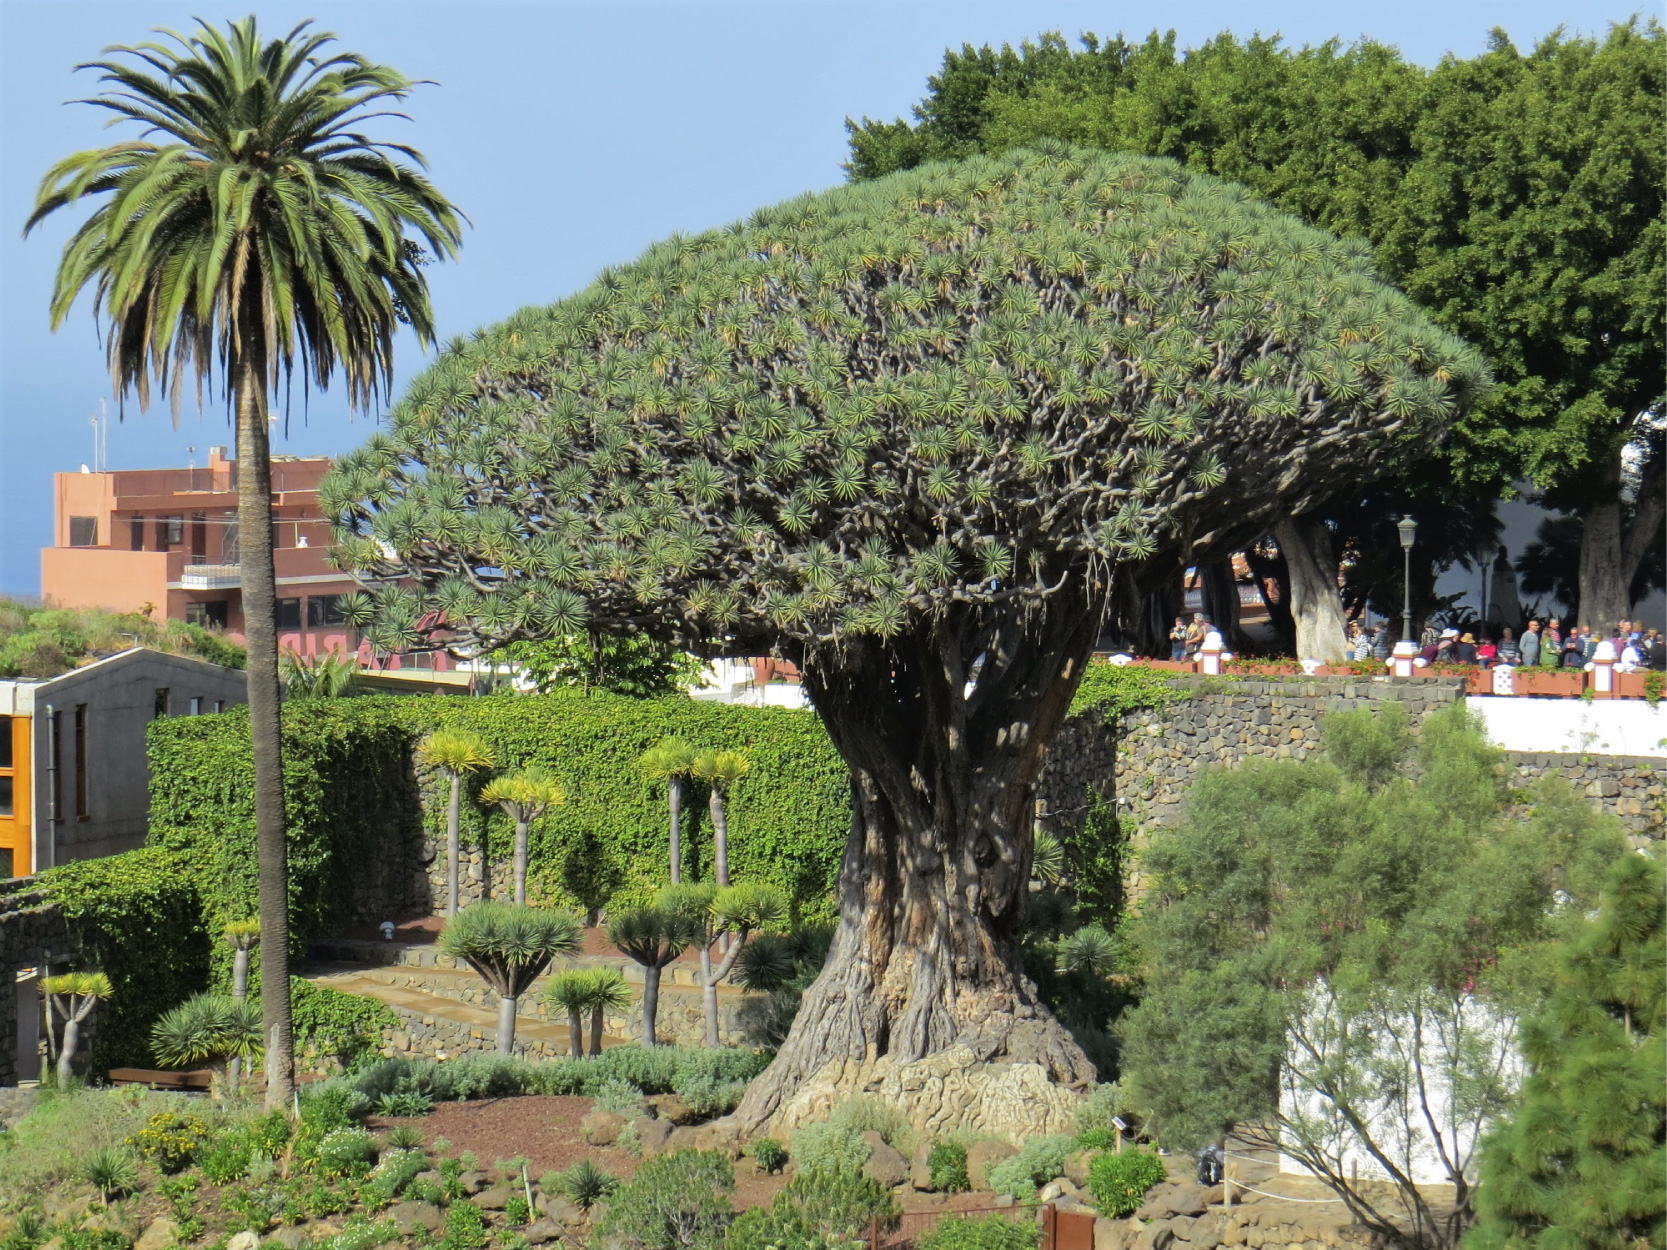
{"points": [[957, 386]]}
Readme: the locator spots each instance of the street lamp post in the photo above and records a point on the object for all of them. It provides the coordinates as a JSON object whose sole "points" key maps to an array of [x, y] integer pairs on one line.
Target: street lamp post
{"points": [[1406, 650]]}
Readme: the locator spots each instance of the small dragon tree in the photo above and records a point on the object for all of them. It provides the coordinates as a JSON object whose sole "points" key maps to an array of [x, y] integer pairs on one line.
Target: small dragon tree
{"points": [[720, 770], [608, 992], [653, 936], [242, 936], [596, 990], [524, 795], [914, 435], [455, 754], [741, 910], [217, 1029], [510, 946], [670, 760], [73, 995]]}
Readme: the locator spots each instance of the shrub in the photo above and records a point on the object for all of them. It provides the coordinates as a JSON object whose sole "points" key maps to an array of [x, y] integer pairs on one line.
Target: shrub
{"points": [[228, 1159], [405, 1137], [816, 1210], [407, 1102], [829, 1147], [1119, 1181], [678, 1201], [1103, 1103], [1097, 1139], [769, 1154], [170, 1141], [517, 1212], [869, 1115], [584, 1183], [465, 1227], [340, 1028], [1039, 1161], [948, 1165], [111, 1172], [389, 1178], [993, 1232], [619, 1097], [346, 1152]]}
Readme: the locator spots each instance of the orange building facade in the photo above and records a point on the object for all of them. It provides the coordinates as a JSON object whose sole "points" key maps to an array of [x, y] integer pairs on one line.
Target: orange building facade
{"points": [[164, 541]]}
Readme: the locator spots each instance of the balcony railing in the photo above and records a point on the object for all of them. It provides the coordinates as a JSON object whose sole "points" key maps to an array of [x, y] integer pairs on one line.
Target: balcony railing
{"points": [[211, 576]]}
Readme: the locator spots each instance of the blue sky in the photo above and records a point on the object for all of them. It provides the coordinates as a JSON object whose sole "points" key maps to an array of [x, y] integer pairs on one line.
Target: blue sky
{"points": [[573, 135]]}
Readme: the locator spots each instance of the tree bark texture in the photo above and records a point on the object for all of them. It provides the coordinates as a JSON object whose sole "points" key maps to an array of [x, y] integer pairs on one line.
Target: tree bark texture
{"points": [[575, 1032], [520, 863], [1612, 547], [240, 974], [674, 799], [650, 1003], [720, 834], [1316, 605], [596, 1022], [506, 1025], [934, 881], [1267, 568], [454, 818], [254, 550]]}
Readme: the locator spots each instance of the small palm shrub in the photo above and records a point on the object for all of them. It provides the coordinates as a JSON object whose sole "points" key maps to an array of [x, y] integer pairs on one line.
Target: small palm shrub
{"points": [[1119, 1181], [215, 1029], [405, 1137], [112, 1172], [510, 945], [948, 1165], [769, 1154], [584, 1184], [406, 1102]]}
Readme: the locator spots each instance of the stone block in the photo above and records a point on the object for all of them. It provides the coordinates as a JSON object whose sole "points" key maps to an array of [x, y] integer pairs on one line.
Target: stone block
{"points": [[159, 1234], [984, 1155], [886, 1166], [601, 1128], [653, 1134], [920, 1168], [408, 1217]]}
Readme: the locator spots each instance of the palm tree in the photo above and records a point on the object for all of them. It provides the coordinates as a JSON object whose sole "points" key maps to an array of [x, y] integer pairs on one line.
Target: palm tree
{"points": [[510, 947], [73, 995], [608, 992], [653, 936], [720, 770], [741, 910], [215, 1029], [569, 991], [524, 795], [241, 936], [455, 753], [670, 761], [254, 226]]}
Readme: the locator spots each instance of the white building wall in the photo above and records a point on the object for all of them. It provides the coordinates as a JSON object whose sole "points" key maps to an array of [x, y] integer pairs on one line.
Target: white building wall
{"points": [[1574, 726]]}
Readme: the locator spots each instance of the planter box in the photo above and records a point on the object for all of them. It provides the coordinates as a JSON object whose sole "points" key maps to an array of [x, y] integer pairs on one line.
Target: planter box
{"points": [[1479, 681], [1629, 685], [1558, 683]]}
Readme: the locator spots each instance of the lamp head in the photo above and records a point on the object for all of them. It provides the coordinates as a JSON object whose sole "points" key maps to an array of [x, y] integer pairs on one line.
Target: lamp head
{"points": [[1409, 531]]}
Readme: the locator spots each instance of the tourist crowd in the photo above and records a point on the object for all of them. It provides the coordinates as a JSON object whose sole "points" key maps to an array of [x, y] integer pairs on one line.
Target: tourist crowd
{"points": [[1542, 645]]}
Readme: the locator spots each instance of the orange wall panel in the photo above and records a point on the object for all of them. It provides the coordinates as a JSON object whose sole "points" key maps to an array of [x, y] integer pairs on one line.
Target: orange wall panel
{"points": [[94, 577]]}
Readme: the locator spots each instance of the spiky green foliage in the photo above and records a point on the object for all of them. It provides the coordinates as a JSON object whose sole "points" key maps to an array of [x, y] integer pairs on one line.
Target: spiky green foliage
{"points": [[262, 204], [508, 945], [208, 1028], [862, 408], [524, 794], [456, 752], [654, 936], [1580, 1165]]}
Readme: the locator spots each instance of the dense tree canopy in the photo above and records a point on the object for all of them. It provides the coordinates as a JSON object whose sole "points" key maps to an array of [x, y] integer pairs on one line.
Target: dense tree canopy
{"points": [[1519, 197], [869, 406]]}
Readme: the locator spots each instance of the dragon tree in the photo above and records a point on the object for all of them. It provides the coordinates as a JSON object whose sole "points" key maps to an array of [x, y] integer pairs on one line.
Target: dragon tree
{"points": [[909, 434]]}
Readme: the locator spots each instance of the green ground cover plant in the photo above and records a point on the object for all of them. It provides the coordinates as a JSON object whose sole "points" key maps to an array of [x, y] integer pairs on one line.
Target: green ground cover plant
{"points": [[990, 1232], [1119, 1181]]}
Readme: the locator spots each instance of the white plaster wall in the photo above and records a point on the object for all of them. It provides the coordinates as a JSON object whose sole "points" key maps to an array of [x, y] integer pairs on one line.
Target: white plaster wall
{"points": [[1574, 726]]}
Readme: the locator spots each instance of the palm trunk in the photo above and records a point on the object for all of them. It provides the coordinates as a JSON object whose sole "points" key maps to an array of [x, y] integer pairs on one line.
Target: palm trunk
{"points": [[520, 862], [720, 834], [1316, 605], [596, 1031], [709, 994], [933, 887], [66, 1052], [454, 817], [650, 1002], [575, 1032], [674, 798], [254, 549], [506, 1025], [240, 991]]}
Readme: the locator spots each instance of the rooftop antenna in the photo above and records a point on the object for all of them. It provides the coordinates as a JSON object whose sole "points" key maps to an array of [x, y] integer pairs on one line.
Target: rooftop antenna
{"points": [[101, 438]]}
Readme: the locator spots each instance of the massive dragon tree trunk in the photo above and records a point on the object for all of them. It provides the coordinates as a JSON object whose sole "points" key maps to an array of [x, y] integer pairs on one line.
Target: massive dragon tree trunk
{"points": [[1316, 605], [923, 1002]]}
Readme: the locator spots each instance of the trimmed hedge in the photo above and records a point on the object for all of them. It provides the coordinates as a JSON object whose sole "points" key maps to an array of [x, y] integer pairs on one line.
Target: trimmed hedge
{"points": [[351, 790], [139, 920]]}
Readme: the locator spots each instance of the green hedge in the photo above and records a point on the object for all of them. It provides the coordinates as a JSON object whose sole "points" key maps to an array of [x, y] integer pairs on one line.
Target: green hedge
{"points": [[139, 920], [351, 788]]}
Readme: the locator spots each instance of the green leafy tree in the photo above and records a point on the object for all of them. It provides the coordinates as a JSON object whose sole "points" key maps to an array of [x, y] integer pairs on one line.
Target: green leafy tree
{"points": [[253, 227], [738, 911], [1337, 953], [905, 434], [1581, 1161], [524, 795], [510, 946], [653, 936], [1517, 196], [631, 665], [72, 996], [671, 760], [455, 754]]}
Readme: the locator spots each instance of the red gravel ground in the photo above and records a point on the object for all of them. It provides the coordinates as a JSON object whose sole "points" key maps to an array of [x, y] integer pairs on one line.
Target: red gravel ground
{"points": [[545, 1130]]}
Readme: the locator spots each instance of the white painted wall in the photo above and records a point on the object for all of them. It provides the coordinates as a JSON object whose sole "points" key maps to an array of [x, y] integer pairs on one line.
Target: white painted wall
{"points": [[1574, 726]]}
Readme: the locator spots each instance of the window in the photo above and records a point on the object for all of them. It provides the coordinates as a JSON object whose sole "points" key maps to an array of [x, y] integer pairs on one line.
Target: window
{"points": [[324, 610], [5, 742], [219, 706], [83, 531], [81, 761], [6, 800], [136, 533], [209, 613], [289, 614], [170, 532], [161, 708], [196, 705], [6, 862]]}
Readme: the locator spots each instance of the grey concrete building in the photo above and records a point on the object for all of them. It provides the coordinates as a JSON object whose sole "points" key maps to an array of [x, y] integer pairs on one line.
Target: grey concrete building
{"points": [[74, 778]]}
